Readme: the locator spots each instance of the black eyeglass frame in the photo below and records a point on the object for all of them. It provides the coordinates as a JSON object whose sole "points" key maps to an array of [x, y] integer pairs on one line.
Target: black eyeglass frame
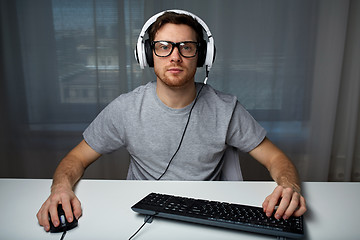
{"points": [[173, 45]]}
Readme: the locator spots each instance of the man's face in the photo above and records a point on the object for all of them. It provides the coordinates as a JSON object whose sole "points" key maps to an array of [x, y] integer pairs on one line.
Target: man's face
{"points": [[175, 70]]}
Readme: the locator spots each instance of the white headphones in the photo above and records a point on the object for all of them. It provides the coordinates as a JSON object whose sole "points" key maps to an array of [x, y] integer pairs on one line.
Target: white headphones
{"points": [[140, 52]]}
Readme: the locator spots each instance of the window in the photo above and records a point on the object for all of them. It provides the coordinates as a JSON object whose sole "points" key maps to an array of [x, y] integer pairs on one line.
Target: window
{"points": [[78, 56]]}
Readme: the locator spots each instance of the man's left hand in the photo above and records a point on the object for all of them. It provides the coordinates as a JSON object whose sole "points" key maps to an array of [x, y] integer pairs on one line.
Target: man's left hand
{"points": [[290, 203]]}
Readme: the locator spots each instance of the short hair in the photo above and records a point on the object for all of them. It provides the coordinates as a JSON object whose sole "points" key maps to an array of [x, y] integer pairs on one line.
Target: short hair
{"points": [[176, 18]]}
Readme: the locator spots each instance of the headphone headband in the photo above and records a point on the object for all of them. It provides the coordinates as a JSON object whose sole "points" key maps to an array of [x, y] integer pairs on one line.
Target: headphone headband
{"points": [[140, 50]]}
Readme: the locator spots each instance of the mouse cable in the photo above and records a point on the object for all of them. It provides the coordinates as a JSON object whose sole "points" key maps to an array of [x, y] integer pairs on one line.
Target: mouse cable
{"points": [[183, 134], [148, 219], [63, 235]]}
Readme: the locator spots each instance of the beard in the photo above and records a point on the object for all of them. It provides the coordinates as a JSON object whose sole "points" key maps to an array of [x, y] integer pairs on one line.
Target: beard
{"points": [[175, 80]]}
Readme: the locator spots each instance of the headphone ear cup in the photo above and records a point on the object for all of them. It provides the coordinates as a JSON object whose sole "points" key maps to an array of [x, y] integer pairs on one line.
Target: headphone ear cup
{"points": [[149, 53], [210, 54], [139, 54], [202, 53]]}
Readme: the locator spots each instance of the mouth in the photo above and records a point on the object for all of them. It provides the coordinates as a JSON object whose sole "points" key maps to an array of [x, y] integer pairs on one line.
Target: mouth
{"points": [[175, 70]]}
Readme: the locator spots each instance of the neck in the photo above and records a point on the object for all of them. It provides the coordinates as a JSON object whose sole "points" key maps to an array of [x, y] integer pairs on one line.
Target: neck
{"points": [[176, 97]]}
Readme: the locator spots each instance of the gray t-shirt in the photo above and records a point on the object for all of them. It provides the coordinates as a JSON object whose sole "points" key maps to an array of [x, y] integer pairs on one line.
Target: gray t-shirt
{"points": [[151, 132]]}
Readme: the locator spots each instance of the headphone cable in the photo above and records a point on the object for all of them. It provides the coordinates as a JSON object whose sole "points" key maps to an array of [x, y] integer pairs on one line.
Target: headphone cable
{"points": [[207, 74], [150, 218], [182, 137]]}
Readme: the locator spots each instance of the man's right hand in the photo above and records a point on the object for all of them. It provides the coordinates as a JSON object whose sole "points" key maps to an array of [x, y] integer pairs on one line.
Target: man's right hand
{"points": [[70, 204], [69, 171]]}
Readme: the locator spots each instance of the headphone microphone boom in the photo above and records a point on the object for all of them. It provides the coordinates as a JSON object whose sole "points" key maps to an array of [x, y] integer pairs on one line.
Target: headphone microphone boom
{"points": [[143, 51]]}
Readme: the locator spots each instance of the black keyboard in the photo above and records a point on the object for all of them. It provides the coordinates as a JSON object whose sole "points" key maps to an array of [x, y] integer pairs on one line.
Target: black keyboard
{"points": [[221, 214]]}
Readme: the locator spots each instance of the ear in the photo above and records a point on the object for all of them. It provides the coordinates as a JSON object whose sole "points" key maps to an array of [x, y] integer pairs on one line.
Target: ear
{"points": [[202, 53], [149, 53]]}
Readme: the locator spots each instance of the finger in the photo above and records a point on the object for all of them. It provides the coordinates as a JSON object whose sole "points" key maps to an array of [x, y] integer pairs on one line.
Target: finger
{"points": [[76, 206], [265, 204], [54, 214], [68, 210], [273, 200], [293, 206], [286, 198], [302, 209], [43, 216]]}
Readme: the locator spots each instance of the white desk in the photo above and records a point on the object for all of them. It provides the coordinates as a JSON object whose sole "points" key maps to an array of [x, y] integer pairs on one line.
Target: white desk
{"points": [[333, 209]]}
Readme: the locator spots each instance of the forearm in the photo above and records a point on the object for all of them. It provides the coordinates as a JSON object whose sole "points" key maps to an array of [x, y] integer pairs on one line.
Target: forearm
{"points": [[69, 171], [278, 164], [73, 166], [284, 173]]}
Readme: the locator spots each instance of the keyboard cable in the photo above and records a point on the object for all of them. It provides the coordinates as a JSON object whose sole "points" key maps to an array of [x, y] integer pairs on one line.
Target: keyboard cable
{"points": [[148, 219]]}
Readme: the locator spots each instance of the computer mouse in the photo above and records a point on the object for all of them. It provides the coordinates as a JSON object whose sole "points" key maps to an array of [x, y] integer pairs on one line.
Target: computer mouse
{"points": [[64, 224]]}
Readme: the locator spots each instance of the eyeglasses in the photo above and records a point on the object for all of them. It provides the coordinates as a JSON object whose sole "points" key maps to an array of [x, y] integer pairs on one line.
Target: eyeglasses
{"points": [[187, 49]]}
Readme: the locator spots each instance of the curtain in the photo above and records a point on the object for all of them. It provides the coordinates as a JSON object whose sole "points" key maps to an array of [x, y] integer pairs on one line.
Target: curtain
{"points": [[292, 64]]}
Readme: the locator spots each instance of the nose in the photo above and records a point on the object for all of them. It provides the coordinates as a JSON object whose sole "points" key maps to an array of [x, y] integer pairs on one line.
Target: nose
{"points": [[175, 55]]}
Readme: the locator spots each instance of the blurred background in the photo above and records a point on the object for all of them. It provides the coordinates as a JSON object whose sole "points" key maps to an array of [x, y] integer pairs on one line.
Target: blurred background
{"points": [[294, 64]]}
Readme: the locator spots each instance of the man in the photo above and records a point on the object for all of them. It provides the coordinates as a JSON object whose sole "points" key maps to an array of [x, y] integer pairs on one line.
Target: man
{"points": [[151, 120]]}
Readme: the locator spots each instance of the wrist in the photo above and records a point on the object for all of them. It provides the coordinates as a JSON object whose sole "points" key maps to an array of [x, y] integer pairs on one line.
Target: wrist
{"points": [[285, 183], [296, 188], [55, 187]]}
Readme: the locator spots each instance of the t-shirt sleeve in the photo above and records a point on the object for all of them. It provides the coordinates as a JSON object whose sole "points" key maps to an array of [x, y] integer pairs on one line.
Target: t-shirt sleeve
{"points": [[244, 132], [103, 135]]}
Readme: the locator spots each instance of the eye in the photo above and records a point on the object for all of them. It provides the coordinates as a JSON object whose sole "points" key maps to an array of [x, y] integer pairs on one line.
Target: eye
{"points": [[164, 46], [188, 47]]}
